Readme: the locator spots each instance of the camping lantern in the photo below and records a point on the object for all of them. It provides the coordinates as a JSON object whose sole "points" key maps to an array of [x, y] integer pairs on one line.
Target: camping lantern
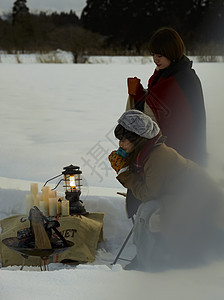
{"points": [[72, 180], [72, 184]]}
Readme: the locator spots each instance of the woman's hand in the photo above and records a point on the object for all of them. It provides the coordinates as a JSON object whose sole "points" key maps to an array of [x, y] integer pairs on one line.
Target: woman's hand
{"points": [[117, 162]]}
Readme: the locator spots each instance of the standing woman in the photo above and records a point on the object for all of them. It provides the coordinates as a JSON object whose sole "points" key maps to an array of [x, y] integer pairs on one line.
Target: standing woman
{"points": [[174, 98]]}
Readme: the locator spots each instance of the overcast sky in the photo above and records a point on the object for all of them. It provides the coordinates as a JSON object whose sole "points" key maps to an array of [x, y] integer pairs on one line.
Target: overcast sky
{"points": [[44, 5]]}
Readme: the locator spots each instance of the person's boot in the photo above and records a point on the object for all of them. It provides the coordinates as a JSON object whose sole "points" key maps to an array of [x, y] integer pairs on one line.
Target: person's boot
{"points": [[134, 265]]}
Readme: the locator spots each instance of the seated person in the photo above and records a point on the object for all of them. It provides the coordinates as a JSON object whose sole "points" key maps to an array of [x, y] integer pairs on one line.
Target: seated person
{"points": [[178, 203]]}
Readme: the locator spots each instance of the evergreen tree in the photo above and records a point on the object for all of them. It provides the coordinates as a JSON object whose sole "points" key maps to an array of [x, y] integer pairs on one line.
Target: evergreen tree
{"points": [[132, 22], [64, 19], [22, 30], [19, 10], [123, 21], [212, 39]]}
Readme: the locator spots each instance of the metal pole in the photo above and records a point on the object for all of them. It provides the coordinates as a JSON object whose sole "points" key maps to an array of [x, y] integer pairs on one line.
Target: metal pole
{"points": [[124, 244]]}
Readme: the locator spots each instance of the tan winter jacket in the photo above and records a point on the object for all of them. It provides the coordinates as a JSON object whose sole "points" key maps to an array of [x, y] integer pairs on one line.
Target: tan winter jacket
{"points": [[183, 188], [161, 174]]}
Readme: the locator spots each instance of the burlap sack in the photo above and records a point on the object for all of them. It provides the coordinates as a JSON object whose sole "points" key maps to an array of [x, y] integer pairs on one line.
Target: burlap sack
{"points": [[84, 231], [9, 228]]}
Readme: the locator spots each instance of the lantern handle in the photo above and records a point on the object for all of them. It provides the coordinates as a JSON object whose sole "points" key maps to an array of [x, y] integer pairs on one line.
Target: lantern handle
{"points": [[52, 179], [57, 184]]}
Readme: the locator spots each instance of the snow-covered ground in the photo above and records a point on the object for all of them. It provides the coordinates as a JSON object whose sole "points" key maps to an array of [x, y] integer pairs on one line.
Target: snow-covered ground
{"points": [[54, 115]]}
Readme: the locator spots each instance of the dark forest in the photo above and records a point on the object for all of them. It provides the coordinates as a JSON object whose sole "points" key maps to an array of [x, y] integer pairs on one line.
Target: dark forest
{"points": [[115, 27]]}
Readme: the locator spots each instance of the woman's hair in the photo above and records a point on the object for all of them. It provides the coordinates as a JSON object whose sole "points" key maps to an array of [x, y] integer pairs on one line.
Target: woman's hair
{"points": [[120, 132], [167, 42]]}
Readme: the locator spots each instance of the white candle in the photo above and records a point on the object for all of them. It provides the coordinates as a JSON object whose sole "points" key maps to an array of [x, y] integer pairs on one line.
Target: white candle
{"points": [[39, 197], [53, 207], [52, 194], [34, 188], [43, 208], [29, 203], [36, 200], [65, 208], [45, 193]]}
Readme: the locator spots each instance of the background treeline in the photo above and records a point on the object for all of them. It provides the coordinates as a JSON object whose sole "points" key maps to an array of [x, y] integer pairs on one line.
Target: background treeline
{"points": [[114, 27]]}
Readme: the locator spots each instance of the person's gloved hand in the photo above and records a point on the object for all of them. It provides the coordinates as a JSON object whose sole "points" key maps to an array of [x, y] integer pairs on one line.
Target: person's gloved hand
{"points": [[133, 85], [117, 162]]}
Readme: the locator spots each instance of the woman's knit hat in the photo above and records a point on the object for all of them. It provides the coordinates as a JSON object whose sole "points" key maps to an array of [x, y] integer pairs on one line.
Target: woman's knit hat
{"points": [[139, 123]]}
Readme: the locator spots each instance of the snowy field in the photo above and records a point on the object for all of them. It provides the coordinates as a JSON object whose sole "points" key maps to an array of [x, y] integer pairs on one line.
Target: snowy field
{"points": [[54, 115]]}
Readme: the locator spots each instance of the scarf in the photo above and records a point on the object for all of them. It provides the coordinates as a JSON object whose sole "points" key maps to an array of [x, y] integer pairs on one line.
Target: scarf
{"points": [[143, 154]]}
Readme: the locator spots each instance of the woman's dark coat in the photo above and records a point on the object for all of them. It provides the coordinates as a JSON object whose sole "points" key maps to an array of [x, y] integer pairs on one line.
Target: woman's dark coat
{"points": [[175, 97]]}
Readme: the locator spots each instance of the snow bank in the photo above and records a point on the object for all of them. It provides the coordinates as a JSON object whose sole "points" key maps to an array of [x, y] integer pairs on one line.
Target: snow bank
{"points": [[64, 57]]}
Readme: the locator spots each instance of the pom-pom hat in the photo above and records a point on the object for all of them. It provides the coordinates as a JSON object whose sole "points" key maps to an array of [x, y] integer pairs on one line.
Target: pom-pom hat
{"points": [[139, 123]]}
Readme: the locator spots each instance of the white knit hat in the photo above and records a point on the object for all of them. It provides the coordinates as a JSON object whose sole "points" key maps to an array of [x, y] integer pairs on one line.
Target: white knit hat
{"points": [[139, 123]]}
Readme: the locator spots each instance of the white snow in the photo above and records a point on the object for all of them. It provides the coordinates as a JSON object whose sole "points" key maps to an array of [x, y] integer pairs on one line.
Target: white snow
{"points": [[54, 115]]}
